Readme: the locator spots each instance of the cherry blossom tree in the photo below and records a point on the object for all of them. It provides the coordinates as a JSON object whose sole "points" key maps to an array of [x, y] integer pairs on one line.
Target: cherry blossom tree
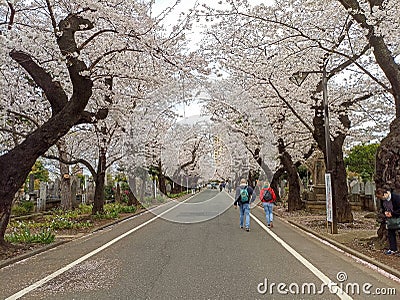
{"points": [[262, 46], [261, 133], [56, 58], [379, 21]]}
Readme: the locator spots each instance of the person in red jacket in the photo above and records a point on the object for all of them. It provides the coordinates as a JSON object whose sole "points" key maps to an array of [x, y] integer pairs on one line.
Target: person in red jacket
{"points": [[268, 198]]}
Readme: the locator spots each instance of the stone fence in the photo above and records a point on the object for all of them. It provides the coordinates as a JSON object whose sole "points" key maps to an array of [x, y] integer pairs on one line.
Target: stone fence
{"points": [[361, 196]]}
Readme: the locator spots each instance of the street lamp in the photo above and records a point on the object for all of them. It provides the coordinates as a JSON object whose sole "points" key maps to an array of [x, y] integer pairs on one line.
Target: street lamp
{"points": [[298, 78]]}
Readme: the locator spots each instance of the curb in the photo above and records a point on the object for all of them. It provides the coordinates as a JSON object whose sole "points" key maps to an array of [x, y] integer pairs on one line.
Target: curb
{"points": [[347, 249], [13, 260]]}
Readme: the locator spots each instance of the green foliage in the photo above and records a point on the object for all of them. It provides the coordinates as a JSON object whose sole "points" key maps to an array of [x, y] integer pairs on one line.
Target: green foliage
{"points": [[24, 208], [81, 178], [173, 196], [65, 222], [361, 160], [84, 209], [40, 172], [112, 211], [23, 234], [34, 231], [40, 175], [303, 172], [119, 208], [108, 192], [70, 219]]}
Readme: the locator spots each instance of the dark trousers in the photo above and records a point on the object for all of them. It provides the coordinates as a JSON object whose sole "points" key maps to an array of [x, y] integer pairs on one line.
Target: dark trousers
{"points": [[392, 239]]}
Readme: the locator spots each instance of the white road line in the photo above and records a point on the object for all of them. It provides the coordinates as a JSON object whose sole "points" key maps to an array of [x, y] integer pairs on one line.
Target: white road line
{"points": [[85, 257], [325, 279]]}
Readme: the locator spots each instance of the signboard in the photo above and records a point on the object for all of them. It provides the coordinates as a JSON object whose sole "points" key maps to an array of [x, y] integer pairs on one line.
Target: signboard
{"points": [[328, 193]]}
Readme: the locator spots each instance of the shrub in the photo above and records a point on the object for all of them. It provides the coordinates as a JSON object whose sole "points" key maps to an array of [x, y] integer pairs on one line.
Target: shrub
{"points": [[24, 235], [24, 208]]}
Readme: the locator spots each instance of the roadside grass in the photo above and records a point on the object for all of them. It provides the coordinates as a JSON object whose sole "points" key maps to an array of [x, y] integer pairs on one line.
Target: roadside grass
{"points": [[44, 228]]}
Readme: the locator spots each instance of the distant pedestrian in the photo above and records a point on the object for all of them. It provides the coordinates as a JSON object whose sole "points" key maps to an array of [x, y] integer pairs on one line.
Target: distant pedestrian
{"points": [[268, 198], [244, 195], [391, 208], [229, 187]]}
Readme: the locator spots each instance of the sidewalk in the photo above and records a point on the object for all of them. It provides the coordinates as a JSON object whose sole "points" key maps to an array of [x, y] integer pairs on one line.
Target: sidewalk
{"points": [[357, 239]]}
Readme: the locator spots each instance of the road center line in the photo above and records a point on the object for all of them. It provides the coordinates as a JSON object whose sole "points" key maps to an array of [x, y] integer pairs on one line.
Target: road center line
{"points": [[325, 279], [85, 257]]}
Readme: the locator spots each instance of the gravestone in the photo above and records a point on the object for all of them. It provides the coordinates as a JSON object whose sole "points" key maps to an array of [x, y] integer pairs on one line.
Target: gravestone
{"points": [[369, 195], [74, 187], [31, 188], [314, 198], [369, 188], [41, 200], [355, 188], [90, 192]]}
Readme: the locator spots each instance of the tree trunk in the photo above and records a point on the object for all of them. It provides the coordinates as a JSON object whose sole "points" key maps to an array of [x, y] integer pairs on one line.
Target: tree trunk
{"points": [[132, 200], [65, 176], [276, 181], [162, 183], [339, 177], [143, 189], [339, 180], [16, 164], [294, 197], [98, 205], [118, 194], [177, 188], [388, 160]]}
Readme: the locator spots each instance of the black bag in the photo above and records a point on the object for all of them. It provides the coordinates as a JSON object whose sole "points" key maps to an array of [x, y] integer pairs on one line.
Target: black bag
{"points": [[267, 196], [393, 223]]}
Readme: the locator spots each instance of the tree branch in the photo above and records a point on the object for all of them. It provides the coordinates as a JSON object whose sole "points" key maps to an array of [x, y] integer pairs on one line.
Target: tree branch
{"points": [[12, 15], [53, 19], [291, 107], [24, 116], [91, 38], [52, 89], [110, 53], [73, 162]]}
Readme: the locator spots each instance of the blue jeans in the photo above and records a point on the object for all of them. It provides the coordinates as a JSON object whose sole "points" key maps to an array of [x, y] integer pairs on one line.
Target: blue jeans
{"points": [[244, 210], [268, 211]]}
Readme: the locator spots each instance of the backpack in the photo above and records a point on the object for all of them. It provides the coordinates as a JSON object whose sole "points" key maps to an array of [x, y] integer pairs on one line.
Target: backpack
{"points": [[244, 194], [267, 196]]}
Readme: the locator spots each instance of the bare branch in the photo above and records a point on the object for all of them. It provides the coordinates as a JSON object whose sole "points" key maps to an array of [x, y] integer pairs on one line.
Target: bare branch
{"points": [[73, 162], [53, 19], [110, 53], [12, 15], [94, 36], [24, 116]]}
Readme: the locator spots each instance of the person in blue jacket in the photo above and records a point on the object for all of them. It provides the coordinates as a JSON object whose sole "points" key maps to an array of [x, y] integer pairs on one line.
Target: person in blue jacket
{"points": [[244, 195]]}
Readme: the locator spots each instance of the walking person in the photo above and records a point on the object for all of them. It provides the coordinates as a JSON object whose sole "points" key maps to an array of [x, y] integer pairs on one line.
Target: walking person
{"points": [[268, 198], [391, 208], [244, 195]]}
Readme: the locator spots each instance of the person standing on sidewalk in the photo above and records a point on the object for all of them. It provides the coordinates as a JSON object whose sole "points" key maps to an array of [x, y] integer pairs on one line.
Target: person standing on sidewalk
{"points": [[244, 195], [391, 208], [268, 198]]}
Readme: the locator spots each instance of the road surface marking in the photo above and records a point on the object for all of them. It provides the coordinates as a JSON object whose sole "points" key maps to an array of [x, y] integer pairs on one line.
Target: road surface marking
{"points": [[85, 257], [325, 279]]}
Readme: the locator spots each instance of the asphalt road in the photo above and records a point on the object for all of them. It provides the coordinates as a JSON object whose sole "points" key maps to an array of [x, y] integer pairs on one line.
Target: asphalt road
{"points": [[195, 250]]}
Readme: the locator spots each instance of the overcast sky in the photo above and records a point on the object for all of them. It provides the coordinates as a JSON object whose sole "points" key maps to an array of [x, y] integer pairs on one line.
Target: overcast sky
{"points": [[192, 109]]}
